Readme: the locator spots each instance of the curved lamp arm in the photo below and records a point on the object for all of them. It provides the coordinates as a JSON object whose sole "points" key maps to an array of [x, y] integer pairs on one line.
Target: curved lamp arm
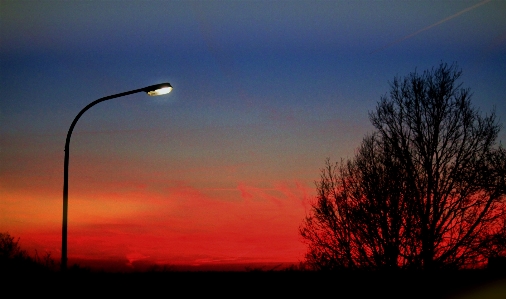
{"points": [[153, 90]]}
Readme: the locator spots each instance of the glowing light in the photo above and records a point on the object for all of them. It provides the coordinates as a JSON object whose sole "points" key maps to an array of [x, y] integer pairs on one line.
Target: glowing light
{"points": [[160, 91]]}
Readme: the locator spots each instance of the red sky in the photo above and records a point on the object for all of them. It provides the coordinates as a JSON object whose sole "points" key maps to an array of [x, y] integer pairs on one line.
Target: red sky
{"points": [[131, 219]]}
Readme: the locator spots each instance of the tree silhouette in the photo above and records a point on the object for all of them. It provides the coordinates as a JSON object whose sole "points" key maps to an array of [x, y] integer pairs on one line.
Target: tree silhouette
{"points": [[426, 190]]}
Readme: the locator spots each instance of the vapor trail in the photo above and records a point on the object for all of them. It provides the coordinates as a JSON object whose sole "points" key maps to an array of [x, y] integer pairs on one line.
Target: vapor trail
{"points": [[433, 25]]}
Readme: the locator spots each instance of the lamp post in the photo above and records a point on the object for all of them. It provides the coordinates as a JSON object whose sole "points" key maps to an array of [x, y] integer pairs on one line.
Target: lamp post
{"points": [[153, 90]]}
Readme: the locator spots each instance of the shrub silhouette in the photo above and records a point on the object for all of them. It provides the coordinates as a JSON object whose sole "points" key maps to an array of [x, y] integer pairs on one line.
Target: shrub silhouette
{"points": [[13, 258]]}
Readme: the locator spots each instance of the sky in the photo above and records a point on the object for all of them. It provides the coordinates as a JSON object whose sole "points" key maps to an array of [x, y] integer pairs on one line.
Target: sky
{"points": [[222, 170]]}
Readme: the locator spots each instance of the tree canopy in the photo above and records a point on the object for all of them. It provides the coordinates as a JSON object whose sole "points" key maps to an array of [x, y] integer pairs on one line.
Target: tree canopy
{"points": [[425, 190]]}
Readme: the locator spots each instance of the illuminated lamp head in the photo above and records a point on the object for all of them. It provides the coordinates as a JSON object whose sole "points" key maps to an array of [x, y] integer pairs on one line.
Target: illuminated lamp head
{"points": [[158, 89]]}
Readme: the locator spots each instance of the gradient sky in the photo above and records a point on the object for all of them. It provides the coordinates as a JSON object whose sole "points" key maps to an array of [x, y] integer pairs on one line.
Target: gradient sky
{"points": [[220, 170]]}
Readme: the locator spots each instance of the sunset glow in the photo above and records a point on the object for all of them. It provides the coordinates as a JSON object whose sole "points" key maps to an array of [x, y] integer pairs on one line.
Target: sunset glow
{"points": [[221, 170]]}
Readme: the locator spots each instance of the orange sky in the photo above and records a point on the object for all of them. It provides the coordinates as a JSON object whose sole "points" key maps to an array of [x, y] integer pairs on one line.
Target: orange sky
{"points": [[155, 221]]}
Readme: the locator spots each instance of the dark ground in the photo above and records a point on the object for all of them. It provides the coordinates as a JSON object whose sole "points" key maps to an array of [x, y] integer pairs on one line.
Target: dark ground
{"points": [[298, 284]]}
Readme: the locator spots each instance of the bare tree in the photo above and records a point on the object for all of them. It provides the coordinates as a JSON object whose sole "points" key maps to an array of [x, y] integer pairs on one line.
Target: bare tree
{"points": [[426, 190]]}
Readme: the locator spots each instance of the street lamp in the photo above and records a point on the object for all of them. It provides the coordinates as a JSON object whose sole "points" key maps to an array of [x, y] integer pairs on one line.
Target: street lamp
{"points": [[153, 90]]}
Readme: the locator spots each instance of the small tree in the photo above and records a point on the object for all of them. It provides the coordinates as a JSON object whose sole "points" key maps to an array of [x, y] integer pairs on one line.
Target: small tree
{"points": [[426, 190]]}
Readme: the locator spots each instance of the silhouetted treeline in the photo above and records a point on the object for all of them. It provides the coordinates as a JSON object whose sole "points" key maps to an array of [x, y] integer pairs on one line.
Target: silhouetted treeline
{"points": [[25, 275]]}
